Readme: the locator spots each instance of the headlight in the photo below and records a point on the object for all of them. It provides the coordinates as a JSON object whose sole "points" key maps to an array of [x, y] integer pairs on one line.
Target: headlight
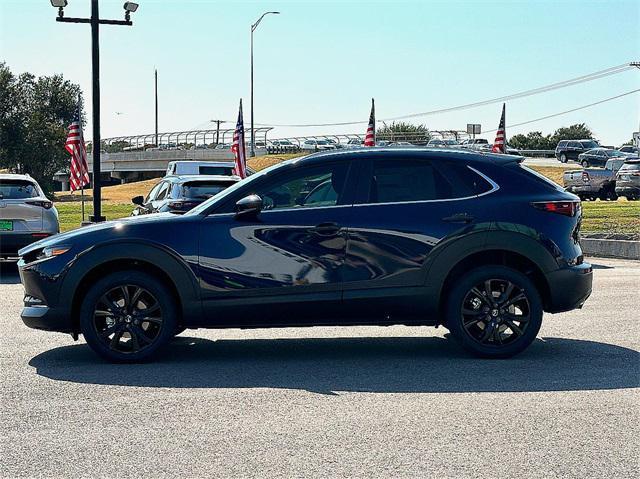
{"points": [[51, 251]]}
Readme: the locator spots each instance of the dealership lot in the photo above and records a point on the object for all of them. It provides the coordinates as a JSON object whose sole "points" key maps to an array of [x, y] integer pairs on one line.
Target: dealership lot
{"points": [[395, 401]]}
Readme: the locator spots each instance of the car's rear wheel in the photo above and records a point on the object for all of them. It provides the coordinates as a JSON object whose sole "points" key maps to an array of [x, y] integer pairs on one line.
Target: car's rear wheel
{"points": [[128, 316], [494, 312], [563, 158]]}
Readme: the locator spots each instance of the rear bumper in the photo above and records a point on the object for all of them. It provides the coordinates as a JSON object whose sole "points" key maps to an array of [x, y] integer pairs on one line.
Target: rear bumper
{"points": [[569, 287], [11, 243], [583, 189]]}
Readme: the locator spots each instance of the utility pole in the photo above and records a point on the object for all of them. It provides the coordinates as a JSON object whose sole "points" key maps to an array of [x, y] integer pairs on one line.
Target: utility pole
{"points": [[95, 23], [253, 28], [156, 93], [217, 122]]}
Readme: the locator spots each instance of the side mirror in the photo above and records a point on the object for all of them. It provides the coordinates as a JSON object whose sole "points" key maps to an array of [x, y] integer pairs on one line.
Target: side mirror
{"points": [[249, 206], [137, 200]]}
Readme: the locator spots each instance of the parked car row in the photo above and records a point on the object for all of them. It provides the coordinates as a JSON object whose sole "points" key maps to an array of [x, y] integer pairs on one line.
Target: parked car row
{"points": [[619, 177], [590, 153]]}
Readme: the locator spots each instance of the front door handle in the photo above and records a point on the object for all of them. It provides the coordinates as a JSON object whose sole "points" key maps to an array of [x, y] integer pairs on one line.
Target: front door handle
{"points": [[459, 218], [326, 229]]}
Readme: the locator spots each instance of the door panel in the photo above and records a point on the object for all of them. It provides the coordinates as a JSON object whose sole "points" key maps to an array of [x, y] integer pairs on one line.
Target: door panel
{"points": [[408, 207], [284, 266]]}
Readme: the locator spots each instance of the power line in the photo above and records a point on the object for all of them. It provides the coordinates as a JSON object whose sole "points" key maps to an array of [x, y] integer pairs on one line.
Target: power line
{"points": [[567, 111], [554, 86]]}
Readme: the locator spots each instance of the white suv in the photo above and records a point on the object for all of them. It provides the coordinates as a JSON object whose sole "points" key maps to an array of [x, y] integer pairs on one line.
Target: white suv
{"points": [[26, 214]]}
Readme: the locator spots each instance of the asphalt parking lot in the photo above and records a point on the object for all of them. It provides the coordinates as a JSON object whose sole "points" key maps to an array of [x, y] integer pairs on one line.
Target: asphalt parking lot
{"points": [[331, 402]]}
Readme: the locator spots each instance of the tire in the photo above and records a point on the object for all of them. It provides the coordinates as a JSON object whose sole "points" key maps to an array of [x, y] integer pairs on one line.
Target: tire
{"points": [[584, 163], [119, 330], [470, 312], [563, 158]]}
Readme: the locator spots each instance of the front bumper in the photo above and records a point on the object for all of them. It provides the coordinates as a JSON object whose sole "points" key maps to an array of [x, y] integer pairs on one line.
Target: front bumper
{"points": [[41, 310], [569, 287], [627, 190]]}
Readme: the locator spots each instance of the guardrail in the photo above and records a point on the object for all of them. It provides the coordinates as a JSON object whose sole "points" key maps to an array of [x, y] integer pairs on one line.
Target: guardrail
{"points": [[539, 153]]}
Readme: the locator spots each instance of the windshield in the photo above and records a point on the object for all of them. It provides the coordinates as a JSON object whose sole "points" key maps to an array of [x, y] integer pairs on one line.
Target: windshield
{"points": [[228, 191], [590, 144], [17, 189], [323, 142]]}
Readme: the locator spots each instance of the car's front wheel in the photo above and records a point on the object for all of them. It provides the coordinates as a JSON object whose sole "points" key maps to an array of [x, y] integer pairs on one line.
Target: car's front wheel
{"points": [[585, 164], [128, 316], [563, 158], [494, 312]]}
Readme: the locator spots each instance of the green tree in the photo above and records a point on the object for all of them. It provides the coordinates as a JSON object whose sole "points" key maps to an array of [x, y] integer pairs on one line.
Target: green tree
{"points": [[34, 116], [579, 131], [401, 131]]}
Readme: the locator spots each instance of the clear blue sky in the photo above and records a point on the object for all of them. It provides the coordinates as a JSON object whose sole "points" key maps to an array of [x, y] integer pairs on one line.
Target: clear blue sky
{"points": [[323, 61]]}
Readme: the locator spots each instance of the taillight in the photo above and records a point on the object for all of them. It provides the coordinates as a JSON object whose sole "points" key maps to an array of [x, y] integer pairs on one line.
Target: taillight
{"points": [[40, 235], [43, 204], [566, 208], [585, 177]]}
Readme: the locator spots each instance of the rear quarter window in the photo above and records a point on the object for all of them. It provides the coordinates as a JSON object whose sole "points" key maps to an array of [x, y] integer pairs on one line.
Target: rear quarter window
{"points": [[464, 181]]}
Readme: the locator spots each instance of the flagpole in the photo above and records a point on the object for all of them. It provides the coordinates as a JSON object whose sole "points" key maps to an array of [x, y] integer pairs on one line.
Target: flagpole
{"points": [[504, 111], [82, 146]]}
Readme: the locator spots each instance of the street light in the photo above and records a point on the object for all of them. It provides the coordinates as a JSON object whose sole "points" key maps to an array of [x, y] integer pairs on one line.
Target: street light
{"points": [[253, 28], [95, 22]]}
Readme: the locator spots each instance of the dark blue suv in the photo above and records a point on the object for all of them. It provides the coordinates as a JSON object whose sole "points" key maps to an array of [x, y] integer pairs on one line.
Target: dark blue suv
{"points": [[475, 242]]}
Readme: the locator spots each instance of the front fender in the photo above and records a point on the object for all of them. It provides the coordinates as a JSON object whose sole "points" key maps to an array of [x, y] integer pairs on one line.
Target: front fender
{"points": [[158, 255]]}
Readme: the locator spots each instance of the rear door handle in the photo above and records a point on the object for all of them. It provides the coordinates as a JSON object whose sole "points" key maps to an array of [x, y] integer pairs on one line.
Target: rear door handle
{"points": [[459, 218], [326, 229]]}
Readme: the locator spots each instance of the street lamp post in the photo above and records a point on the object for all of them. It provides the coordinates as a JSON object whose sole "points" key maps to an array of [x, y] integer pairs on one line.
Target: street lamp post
{"points": [[253, 28], [95, 22]]}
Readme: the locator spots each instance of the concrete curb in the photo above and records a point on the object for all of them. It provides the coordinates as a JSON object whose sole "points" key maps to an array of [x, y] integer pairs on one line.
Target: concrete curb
{"points": [[611, 248]]}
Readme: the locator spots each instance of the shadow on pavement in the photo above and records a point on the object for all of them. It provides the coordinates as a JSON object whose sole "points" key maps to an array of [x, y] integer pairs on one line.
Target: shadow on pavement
{"points": [[601, 266], [9, 272], [325, 365]]}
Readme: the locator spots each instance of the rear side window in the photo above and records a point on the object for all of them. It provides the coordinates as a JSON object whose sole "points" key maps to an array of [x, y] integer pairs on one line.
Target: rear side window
{"points": [[17, 189], [396, 181]]}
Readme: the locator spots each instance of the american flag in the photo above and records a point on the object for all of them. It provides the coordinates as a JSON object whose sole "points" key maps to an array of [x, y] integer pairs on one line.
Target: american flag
{"points": [[500, 144], [79, 174], [370, 138], [238, 147]]}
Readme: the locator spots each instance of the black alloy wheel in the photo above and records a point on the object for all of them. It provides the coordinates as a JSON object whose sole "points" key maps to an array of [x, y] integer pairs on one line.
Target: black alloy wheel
{"points": [[128, 316], [494, 311]]}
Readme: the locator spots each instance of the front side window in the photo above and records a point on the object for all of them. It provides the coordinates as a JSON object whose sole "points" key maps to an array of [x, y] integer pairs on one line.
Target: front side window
{"points": [[152, 194], [308, 188], [162, 192]]}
